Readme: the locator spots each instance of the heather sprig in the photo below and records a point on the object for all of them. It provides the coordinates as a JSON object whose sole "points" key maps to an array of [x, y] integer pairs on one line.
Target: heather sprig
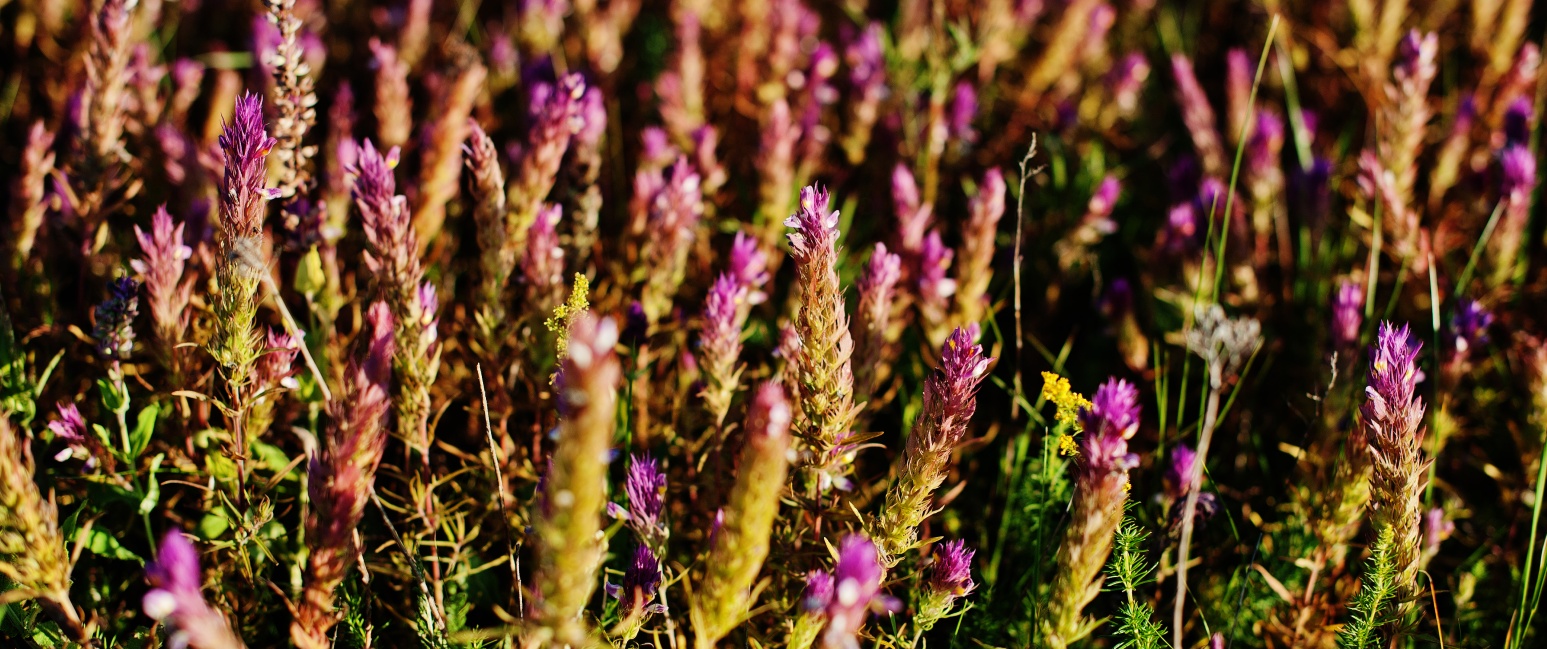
{"points": [[441, 163], [823, 379], [340, 478], [98, 168], [393, 107], [556, 118], [29, 194], [724, 595], [575, 488], [720, 345], [950, 399]]}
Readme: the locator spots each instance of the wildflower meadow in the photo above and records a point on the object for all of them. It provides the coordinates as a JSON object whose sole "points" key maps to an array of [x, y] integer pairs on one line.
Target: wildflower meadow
{"points": [[805, 324]]}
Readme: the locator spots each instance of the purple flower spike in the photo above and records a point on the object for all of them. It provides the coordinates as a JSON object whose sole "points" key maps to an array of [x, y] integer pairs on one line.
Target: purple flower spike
{"points": [[246, 145], [1347, 314], [816, 227], [1469, 326], [952, 571], [115, 318], [645, 488], [1393, 409]]}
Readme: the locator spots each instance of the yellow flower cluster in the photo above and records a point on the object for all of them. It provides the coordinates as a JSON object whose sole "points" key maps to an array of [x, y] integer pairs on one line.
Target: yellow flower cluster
{"points": [[1056, 389], [1066, 446], [564, 314]]}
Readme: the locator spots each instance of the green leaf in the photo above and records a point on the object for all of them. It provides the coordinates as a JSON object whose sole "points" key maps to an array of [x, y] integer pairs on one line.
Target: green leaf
{"points": [[112, 399], [213, 525], [139, 438], [104, 544], [153, 486]]}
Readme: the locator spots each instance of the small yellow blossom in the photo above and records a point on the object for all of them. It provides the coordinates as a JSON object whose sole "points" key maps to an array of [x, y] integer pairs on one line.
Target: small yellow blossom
{"points": [[1066, 446], [1056, 389], [564, 314], [1127, 487]]}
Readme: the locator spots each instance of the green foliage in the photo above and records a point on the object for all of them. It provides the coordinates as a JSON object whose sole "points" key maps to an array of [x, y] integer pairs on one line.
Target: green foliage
{"points": [[1136, 623], [1376, 588]]}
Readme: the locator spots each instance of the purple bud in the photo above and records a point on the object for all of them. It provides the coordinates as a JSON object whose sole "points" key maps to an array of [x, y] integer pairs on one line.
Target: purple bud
{"points": [[749, 265], [934, 264], [1347, 314], [1469, 326], [964, 108], [815, 227], [819, 591], [1517, 167], [114, 317], [952, 569], [1518, 119], [1179, 476]]}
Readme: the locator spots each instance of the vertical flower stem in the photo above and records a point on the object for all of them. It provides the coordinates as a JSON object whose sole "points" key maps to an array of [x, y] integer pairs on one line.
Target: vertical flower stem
{"points": [[1206, 435]]}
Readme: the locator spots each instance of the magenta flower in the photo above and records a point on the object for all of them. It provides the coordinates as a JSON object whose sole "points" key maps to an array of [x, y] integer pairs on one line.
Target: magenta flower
{"points": [[273, 369], [935, 286], [856, 591], [1109, 422], [70, 428], [819, 591], [720, 343], [176, 598]]}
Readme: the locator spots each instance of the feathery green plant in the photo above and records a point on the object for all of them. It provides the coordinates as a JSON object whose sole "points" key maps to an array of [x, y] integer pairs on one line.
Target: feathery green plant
{"points": [[1376, 589], [1136, 623]]}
